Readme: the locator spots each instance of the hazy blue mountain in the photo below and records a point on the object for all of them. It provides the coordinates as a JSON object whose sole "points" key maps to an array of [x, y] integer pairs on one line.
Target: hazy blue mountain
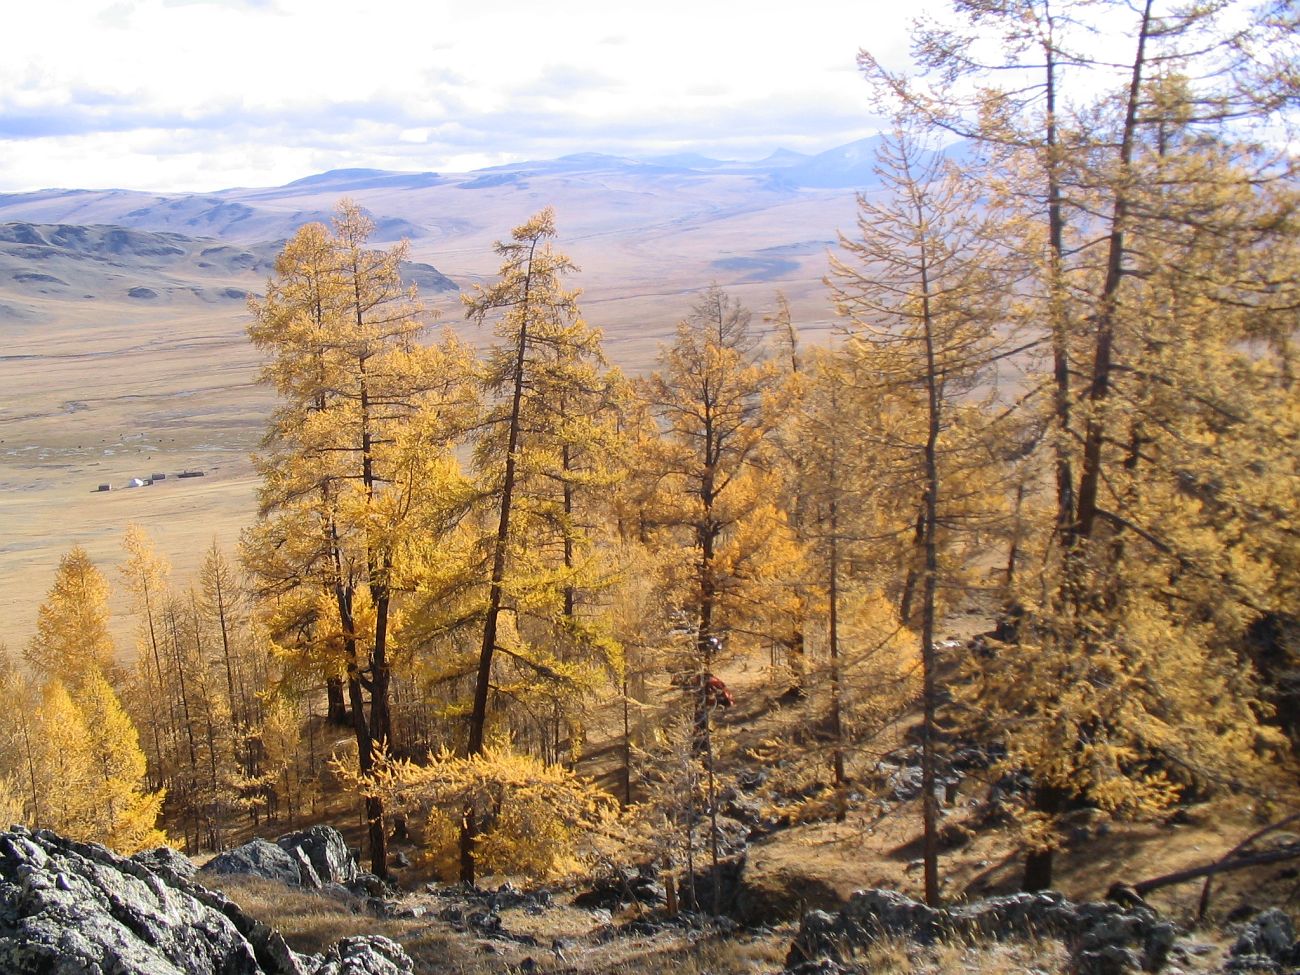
{"points": [[345, 180], [844, 167], [686, 160]]}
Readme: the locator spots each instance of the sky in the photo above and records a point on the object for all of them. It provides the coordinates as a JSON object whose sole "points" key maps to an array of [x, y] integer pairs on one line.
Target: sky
{"points": [[198, 95]]}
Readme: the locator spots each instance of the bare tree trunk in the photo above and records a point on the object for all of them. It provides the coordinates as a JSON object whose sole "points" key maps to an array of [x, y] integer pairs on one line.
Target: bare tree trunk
{"points": [[837, 721], [627, 745], [929, 524], [478, 714]]}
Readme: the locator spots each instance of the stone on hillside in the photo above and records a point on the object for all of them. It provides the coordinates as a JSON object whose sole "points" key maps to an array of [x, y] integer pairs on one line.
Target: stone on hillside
{"points": [[307, 876], [70, 907], [1270, 933], [743, 809], [1104, 937], [365, 955], [616, 887], [256, 858], [325, 848], [733, 837], [168, 863]]}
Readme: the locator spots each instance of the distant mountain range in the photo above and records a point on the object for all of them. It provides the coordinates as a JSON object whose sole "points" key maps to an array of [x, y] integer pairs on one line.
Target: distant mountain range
{"points": [[683, 218], [262, 214]]}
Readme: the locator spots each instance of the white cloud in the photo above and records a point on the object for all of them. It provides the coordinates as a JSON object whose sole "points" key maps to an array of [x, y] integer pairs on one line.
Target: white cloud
{"points": [[427, 84]]}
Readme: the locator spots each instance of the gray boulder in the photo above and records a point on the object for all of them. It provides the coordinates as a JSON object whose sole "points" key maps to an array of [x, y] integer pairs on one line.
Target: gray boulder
{"points": [[1103, 937], [256, 858], [1266, 944], [324, 847], [307, 875], [69, 908], [733, 837], [367, 955]]}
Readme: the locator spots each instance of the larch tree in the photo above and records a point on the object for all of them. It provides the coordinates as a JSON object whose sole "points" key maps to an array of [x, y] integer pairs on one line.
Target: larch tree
{"points": [[357, 458], [840, 513], [145, 573], [75, 765], [123, 812], [72, 641], [714, 401], [922, 289], [1144, 190], [540, 453], [221, 603], [237, 676], [62, 766], [20, 744]]}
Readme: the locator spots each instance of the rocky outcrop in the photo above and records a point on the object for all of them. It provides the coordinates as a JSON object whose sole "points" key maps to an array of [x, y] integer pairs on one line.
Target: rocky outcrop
{"points": [[257, 858], [371, 955], [622, 885], [326, 852], [314, 858], [168, 863], [1103, 938], [68, 907]]}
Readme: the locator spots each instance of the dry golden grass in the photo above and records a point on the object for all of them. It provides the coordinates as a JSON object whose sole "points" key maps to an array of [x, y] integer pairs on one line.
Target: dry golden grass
{"points": [[948, 958], [311, 922], [707, 955]]}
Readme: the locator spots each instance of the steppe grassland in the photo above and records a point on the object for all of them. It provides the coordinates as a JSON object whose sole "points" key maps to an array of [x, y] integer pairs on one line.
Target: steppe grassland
{"points": [[106, 390]]}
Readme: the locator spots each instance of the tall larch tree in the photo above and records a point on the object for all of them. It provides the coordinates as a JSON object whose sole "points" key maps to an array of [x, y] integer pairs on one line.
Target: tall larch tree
{"points": [[357, 458], [861, 661], [711, 399], [922, 289], [540, 453], [1127, 182], [145, 575], [124, 813], [714, 399]]}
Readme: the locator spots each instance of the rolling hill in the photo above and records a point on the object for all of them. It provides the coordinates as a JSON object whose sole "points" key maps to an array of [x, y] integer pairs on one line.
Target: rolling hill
{"points": [[123, 315]]}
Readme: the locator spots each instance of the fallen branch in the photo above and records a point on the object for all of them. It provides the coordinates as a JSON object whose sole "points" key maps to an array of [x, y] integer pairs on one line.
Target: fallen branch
{"points": [[1289, 852], [1203, 906]]}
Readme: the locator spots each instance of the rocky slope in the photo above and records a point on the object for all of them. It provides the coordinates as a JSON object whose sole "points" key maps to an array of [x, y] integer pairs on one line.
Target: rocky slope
{"points": [[68, 907]]}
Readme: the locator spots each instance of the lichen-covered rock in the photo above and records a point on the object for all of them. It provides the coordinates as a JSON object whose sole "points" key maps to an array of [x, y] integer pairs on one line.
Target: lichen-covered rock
{"points": [[365, 955], [307, 876], [168, 863], [256, 858], [69, 908], [1103, 937], [78, 907], [324, 846]]}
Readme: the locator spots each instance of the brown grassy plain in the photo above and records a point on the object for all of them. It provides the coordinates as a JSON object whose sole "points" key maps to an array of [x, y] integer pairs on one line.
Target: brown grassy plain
{"points": [[102, 387]]}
